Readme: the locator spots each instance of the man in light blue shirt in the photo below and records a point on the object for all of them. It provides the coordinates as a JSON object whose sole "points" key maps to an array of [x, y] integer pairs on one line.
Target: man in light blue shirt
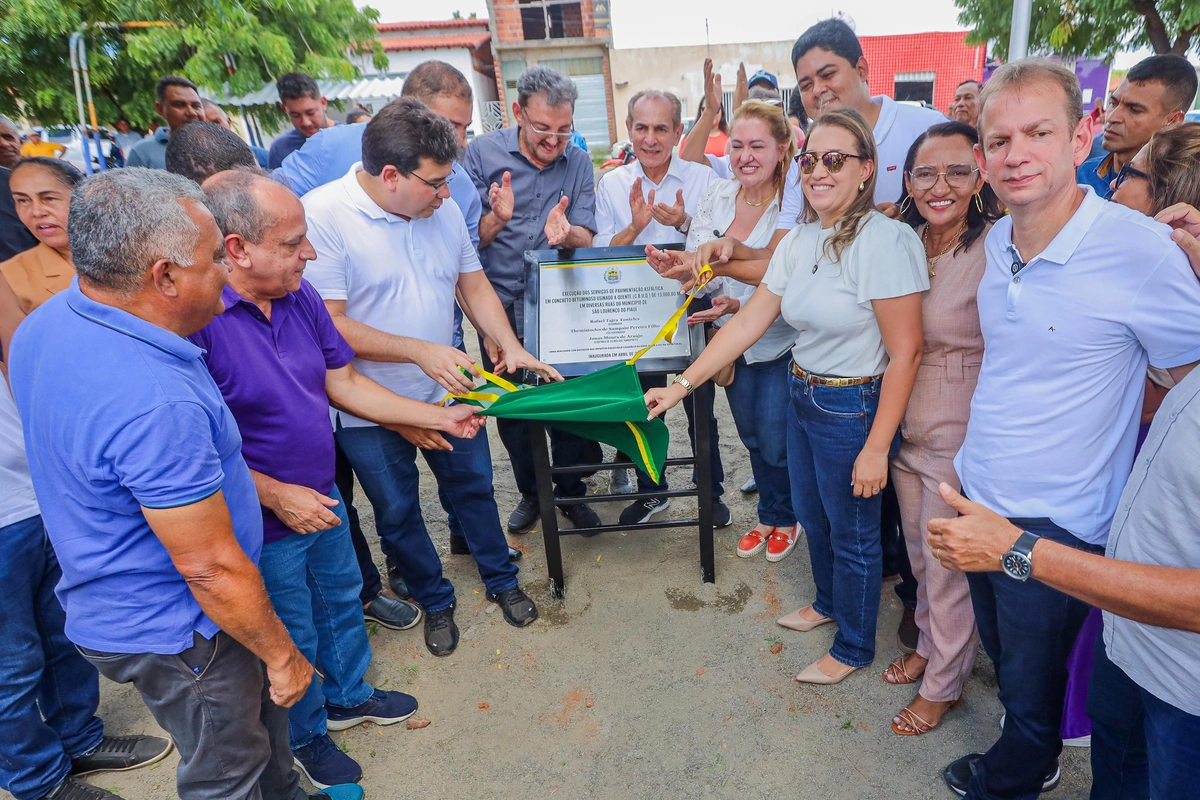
{"points": [[177, 102]]}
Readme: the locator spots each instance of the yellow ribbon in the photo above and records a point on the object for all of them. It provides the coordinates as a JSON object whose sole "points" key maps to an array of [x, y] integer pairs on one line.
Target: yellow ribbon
{"points": [[483, 397], [667, 332]]}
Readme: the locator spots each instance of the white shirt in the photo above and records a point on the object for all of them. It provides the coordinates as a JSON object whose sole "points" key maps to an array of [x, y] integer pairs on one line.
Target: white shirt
{"points": [[897, 128], [613, 213], [396, 275], [830, 307], [15, 485], [1055, 414]]}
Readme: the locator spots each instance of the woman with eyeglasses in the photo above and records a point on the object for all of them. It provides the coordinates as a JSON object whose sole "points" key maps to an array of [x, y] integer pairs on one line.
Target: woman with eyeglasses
{"points": [[849, 282], [951, 208]]}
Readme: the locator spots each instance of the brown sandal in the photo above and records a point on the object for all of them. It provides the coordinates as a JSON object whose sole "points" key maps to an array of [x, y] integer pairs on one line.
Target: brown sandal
{"points": [[897, 674], [918, 725]]}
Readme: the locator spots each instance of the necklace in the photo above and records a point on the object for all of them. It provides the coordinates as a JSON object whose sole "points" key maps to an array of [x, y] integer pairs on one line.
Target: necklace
{"points": [[746, 200], [933, 260]]}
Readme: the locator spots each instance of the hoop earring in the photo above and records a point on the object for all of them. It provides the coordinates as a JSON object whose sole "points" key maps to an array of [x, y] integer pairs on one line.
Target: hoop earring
{"points": [[905, 204], [979, 202]]}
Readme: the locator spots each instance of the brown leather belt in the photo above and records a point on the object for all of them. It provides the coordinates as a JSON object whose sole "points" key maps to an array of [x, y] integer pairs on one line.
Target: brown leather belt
{"points": [[821, 380]]}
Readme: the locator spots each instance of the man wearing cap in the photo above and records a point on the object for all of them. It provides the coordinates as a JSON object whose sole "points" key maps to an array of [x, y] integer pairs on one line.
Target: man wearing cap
{"points": [[36, 147]]}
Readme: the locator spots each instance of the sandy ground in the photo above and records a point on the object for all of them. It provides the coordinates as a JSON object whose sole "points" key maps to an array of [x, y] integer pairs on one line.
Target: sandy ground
{"points": [[642, 683]]}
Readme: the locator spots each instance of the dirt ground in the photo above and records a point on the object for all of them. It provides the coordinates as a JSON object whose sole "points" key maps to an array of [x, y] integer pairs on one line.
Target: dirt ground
{"points": [[642, 683]]}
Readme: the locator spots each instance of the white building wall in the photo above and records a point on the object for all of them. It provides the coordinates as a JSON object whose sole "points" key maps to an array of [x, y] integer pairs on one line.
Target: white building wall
{"points": [[401, 62]]}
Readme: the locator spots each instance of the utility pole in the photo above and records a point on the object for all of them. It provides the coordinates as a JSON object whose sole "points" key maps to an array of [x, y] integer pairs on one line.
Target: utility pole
{"points": [[1018, 40]]}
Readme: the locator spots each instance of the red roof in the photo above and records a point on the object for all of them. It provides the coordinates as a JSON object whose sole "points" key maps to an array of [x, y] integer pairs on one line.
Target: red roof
{"points": [[387, 27], [468, 40]]}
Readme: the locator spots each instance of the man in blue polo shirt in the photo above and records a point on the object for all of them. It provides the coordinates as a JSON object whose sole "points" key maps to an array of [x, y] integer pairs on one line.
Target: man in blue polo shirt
{"points": [[152, 512]]}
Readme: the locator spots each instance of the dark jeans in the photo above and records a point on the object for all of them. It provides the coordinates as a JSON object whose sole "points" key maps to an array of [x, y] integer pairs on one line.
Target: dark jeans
{"points": [[703, 398], [1028, 630], [758, 399], [1120, 770], [48, 694], [895, 552], [214, 700], [385, 463], [827, 428]]}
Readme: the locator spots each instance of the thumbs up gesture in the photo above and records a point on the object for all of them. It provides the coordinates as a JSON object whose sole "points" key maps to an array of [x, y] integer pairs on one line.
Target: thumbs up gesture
{"points": [[671, 215], [974, 541], [558, 227], [500, 198]]}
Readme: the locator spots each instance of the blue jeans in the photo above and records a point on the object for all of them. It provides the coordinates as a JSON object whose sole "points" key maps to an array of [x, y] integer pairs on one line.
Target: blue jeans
{"points": [[1120, 770], [48, 692], [827, 429], [314, 582], [1028, 630], [386, 465], [758, 399]]}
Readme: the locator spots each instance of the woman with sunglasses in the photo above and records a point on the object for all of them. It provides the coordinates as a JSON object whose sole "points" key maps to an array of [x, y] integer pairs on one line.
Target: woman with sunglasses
{"points": [[849, 282], [951, 208]]}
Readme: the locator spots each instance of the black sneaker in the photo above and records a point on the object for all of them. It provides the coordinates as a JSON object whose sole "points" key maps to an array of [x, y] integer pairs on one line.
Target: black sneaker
{"points": [[642, 510], [75, 789], [524, 516], [581, 516], [958, 774], [324, 764], [119, 753], [396, 581], [722, 516], [382, 708], [518, 609], [441, 634], [399, 615], [459, 547]]}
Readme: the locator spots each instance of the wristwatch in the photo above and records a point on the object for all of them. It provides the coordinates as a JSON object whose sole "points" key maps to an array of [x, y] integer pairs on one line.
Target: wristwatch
{"points": [[1017, 563], [687, 224], [687, 385]]}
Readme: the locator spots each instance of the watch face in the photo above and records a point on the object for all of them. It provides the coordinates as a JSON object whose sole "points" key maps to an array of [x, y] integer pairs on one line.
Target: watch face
{"points": [[1017, 565]]}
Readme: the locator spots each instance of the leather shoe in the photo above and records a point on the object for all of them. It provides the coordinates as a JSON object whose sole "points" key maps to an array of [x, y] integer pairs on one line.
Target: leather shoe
{"points": [[581, 516], [813, 674], [441, 633], [796, 622], [119, 753], [518, 609], [524, 516], [459, 547], [396, 581], [399, 615]]}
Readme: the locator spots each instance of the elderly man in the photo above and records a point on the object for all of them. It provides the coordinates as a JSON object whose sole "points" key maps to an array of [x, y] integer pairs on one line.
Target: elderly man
{"points": [[1069, 329], [280, 362], [10, 143], [390, 258], [300, 98], [215, 114], [537, 193], [1154, 95], [651, 202], [151, 509], [178, 102], [965, 107], [203, 149]]}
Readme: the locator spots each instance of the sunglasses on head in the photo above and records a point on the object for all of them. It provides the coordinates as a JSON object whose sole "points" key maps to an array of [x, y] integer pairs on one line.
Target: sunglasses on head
{"points": [[832, 160]]}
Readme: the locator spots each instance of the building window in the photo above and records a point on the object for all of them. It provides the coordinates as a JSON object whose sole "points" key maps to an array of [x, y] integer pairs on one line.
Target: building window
{"points": [[551, 19], [914, 87]]}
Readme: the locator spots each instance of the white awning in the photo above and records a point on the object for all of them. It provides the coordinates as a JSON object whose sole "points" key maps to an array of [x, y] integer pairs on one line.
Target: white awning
{"points": [[384, 88]]}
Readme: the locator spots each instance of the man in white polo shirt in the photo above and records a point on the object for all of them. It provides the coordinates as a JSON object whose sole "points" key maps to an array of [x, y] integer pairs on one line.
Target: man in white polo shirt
{"points": [[390, 256], [1079, 294], [651, 201]]}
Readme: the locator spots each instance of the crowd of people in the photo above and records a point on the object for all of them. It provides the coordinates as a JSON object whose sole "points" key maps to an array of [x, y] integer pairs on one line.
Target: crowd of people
{"points": [[968, 327]]}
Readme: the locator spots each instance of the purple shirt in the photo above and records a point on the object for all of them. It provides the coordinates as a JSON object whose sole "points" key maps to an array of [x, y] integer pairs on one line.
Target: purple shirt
{"points": [[272, 376]]}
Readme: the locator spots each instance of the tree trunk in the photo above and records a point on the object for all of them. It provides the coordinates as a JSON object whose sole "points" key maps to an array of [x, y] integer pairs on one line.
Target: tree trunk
{"points": [[1156, 29], [1183, 42]]}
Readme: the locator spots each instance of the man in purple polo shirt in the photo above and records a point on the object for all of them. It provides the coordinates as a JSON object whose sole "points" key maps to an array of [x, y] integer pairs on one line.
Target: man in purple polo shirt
{"points": [[279, 363]]}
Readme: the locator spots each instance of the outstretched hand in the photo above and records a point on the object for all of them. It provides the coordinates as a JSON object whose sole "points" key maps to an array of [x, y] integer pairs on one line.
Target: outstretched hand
{"points": [[558, 227], [501, 199]]}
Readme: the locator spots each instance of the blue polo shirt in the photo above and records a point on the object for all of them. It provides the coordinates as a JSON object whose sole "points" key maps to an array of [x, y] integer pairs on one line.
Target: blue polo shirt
{"points": [[1098, 174], [119, 414]]}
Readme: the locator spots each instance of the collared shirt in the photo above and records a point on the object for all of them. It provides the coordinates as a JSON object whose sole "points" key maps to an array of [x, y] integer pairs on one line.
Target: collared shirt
{"points": [[14, 236], [536, 191], [1098, 174], [126, 141], [271, 373], [1156, 524], [396, 275], [128, 417], [331, 152], [16, 487], [897, 128], [150, 152], [44, 149], [286, 144], [613, 213], [37, 275], [1055, 414]]}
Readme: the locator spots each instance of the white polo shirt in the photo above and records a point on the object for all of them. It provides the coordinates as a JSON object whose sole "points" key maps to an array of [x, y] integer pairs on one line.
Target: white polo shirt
{"points": [[395, 275], [897, 128], [16, 487], [613, 213], [1055, 414]]}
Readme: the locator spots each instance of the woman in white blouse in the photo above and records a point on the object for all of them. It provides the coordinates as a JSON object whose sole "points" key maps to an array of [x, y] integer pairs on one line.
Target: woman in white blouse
{"points": [[848, 280]]}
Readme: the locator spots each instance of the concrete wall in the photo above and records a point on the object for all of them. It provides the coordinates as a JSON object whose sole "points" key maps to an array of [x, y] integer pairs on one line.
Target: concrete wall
{"points": [[402, 61]]}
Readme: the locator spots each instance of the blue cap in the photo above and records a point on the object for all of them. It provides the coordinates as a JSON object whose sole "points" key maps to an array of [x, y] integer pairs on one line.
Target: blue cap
{"points": [[762, 76]]}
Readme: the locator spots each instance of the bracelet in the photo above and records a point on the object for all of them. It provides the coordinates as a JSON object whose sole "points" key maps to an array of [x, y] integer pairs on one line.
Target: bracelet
{"points": [[687, 385]]}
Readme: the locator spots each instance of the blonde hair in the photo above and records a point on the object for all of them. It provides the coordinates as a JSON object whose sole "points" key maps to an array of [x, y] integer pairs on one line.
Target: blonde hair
{"points": [[1171, 158], [847, 227], [1026, 72], [781, 131]]}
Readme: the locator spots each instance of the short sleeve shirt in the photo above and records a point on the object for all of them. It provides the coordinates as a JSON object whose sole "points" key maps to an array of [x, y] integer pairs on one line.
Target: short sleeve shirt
{"points": [[614, 214], [126, 417], [15, 484], [396, 275], [537, 191], [271, 373], [283, 146], [837, 333]]}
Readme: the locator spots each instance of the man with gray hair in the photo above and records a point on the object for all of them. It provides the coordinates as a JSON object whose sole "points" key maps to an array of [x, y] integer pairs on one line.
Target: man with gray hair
{"points": [[151, 510], [556, 188], [10, 143]]}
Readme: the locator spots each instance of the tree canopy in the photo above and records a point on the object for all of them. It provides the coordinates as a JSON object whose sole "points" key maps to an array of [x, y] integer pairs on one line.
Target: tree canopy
{"points": [[1093, 28], [214, 43]]}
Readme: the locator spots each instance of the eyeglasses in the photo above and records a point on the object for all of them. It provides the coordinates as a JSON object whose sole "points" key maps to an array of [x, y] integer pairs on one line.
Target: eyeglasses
{"points": [[958, 176], [832, 160], [437, 187], [557, 134], [1128, 171]]}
